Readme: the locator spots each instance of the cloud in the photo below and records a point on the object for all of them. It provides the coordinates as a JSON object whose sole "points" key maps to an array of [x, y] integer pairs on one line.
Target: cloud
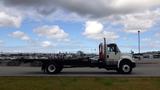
{"points": [[135, 4], [51, 32], [20, 35], [1, 43], [93, 27], [151, 44], [138, 21], [46, 44], [9, 20], [94, 30], [41, 43], [98, 8], [157, 34], [110, 36], [87, 10]]}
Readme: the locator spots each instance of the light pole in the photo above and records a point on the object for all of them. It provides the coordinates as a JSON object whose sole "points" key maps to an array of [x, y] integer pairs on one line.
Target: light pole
{"points": [[139, 48]]}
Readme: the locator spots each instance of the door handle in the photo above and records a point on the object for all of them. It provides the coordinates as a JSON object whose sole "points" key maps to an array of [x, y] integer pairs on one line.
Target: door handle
{"points": [[107, 56]]}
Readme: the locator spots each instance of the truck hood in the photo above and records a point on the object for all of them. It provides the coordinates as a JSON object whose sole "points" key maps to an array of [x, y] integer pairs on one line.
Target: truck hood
{"points": [[127, 56]]}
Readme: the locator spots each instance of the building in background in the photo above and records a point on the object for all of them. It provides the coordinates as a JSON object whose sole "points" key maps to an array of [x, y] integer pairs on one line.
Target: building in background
{"points": [[155, 55]]}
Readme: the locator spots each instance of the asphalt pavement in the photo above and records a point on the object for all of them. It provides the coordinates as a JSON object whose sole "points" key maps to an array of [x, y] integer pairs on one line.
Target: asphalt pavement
{"points": [[142, 70]]}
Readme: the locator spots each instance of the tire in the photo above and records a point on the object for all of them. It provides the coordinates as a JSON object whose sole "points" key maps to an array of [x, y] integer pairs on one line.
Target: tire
{"points": [[53, 68], [125, 68]]}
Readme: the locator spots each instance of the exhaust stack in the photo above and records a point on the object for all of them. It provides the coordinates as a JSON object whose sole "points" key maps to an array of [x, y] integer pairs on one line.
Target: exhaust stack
{"points": [[105, 48]]}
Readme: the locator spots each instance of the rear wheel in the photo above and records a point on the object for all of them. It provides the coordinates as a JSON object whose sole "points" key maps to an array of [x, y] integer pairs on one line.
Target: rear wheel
{"points": [[125, 68], [53, 68]]}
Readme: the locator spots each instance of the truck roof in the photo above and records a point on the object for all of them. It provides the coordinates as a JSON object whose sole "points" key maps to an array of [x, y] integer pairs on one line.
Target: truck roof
{"points": [[112, 44]]}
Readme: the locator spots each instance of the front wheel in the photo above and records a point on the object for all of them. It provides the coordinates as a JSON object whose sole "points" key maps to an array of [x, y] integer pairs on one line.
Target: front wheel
{"points": [[125, 68]]}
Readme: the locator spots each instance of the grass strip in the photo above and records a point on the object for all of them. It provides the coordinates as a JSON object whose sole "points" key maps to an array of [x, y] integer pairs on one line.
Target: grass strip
{"points": [[79, 83]]}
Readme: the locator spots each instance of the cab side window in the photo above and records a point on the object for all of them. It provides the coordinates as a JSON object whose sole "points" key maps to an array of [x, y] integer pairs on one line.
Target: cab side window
{"points": [[110, 49]]}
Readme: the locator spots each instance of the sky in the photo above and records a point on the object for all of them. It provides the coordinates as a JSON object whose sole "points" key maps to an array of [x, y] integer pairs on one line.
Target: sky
{"points": [[73, 25]]}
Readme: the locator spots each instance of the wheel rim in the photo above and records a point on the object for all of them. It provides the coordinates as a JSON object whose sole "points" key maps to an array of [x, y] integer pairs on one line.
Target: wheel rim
{"points": [[51, 68], [126, 68]]}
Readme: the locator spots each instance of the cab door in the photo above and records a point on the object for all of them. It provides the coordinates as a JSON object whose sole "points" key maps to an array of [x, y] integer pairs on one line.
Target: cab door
{"points": [[112, 54]]}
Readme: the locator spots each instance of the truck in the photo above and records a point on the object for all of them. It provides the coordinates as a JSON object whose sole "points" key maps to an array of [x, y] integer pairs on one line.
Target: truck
{"points": [[109, 58]]}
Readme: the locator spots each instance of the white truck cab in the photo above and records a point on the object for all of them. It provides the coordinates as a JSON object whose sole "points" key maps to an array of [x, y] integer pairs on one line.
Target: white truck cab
{"points": [[114, 59]]}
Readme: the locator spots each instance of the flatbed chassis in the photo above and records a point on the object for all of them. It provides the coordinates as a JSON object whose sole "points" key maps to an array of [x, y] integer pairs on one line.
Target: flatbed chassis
{"points": [[54, 63]]}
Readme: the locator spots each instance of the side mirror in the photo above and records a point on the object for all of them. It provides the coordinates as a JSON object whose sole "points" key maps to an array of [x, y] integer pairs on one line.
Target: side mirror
{"points": [[132, 52], [116, 52]]}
